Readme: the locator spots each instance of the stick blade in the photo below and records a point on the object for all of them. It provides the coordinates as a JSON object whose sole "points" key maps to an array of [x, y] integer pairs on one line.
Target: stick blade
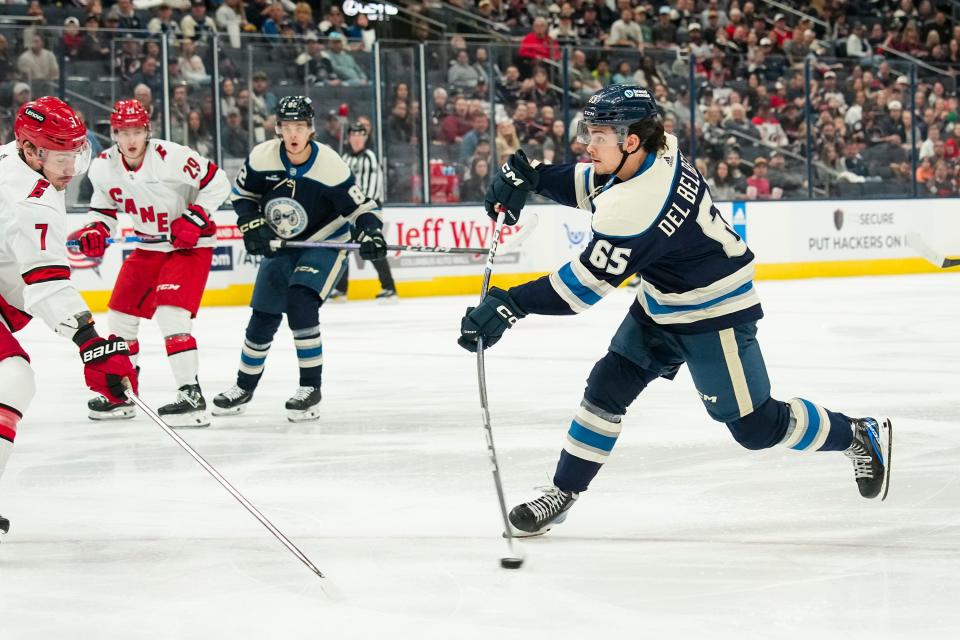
{"points": [[918, 244]]}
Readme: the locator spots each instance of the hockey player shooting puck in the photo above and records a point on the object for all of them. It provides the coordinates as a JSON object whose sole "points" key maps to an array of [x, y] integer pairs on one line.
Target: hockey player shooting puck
{"points": [[511, 563]]}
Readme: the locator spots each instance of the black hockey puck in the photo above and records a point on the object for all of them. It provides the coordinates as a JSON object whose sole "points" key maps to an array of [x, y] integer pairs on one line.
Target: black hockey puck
{"points": [[511, 563]]}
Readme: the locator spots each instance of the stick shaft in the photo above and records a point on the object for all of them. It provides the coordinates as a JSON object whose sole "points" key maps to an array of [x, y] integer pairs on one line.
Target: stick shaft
{"points": [[224, 483], [482, 381]]}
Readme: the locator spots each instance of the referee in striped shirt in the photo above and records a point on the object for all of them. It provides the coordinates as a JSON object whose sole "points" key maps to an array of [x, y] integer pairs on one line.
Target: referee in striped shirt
{"points": [[365, 167]]}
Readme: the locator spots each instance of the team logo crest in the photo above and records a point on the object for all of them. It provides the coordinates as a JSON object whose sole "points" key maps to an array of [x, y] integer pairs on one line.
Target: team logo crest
{"points": [[286, 217], [838, 219]]}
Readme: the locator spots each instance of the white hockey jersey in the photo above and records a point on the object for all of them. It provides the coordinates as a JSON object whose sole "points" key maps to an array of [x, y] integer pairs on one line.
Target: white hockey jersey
{"points": [[171, 178], [34, 271]]}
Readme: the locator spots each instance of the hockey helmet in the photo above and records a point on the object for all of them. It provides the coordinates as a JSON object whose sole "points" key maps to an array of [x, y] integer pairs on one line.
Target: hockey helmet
{"points": [[55, 129], [617, 106], [356, 127], [128, 114], [295, 108]]}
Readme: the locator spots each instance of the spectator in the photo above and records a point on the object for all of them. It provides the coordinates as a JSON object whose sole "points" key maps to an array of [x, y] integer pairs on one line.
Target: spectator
{"points": [[38, 63], [198, 138], [95, 46], [565, 32], [191, 65], [589, 28], [164, 22], [180, 112], [789, 182], [758, 186], [439, 111], [509, 86], [624, 74], [480, 130], [264, 100], [857, 45], [475, 186], [126, 15], [457, 124], [721, 183], [625, 32], [333, 22], [602, 73], [647, 75], [197, 24], [538, 45], [150, 75], [361, 33], [7, 66], [664, 32], [313, 68], [771, 133], [231, 18], [399, 129], [343, 63], [507, 142], [462, 76], [288, 47], [539, 91], [228, 95], [303, 22], [555, 143], [738, 123], [941, 186], [71, 40], [276, 16], [235, 138]]}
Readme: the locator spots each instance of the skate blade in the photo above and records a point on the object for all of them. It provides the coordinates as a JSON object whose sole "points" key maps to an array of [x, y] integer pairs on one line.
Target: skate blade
{"points": [[192, 420], [519, 533], [886, 442], [390, 300], [303, 416], [120, 413], [229, 411]]}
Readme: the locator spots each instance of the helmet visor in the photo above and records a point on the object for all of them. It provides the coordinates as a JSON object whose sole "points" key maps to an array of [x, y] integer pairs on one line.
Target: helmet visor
{"points": [[68, 163], [599, 135]]}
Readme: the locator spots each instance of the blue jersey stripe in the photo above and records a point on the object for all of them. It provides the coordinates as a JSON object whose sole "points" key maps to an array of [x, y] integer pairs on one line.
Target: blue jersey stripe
{"points": [[656, 307], [591, 438], [582, 291], [813, 426]]}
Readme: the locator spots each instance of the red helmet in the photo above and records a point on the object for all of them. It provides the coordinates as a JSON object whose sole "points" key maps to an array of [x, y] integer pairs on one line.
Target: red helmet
{"points": [[49, 123], [128, 114]]}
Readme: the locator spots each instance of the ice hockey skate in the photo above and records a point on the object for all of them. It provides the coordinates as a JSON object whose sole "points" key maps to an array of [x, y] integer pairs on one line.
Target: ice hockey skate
{"points": [[102, 409], [538, 516], [188, 410], [870, 454], [304, 405], [387, 295], [233, 401], [4, 526]]}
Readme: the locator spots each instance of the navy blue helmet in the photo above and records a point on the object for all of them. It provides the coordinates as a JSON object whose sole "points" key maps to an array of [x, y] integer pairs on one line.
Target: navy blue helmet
{"points": [[617, 106]]}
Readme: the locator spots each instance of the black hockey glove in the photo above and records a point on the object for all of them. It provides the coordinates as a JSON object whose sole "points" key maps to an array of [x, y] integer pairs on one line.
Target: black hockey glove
{"points": [[515, 181], [257, 235], [496, 313], [372, 244]]}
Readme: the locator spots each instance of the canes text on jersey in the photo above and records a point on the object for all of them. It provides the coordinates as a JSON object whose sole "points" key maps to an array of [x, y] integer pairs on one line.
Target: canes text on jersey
{"points": [[147, 214]]}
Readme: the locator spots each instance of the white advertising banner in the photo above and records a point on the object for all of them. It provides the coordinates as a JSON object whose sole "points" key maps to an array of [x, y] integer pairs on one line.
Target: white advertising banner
{"points": [[790, 239]]}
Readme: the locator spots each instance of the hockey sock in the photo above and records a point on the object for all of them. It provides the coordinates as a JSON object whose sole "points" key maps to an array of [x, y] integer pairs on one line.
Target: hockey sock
{"points": [[175, 324], [15, 395], [256, 345], [590, 439], [127, 327], [303, 314], [813, 428]]}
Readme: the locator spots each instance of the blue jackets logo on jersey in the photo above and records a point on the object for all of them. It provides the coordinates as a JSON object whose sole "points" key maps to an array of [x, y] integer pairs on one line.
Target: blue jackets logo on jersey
{"points": [[286, 217]]}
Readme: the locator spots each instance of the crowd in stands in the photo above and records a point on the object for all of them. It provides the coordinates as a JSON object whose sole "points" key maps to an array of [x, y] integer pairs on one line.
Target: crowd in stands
{"points": [[863, 89]]}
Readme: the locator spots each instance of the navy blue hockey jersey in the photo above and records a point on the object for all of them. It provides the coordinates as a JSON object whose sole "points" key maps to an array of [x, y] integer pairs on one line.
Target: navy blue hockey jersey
{"points": [[317, 200], [697, 274]]}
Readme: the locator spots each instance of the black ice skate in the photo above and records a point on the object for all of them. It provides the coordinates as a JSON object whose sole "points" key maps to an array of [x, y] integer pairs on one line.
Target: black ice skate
{"points": [[188, 410], [100, 408], [233, 401], [538, 516], [4, 526], [336, 295], [304, 405], [870, 454], [387, 295]]}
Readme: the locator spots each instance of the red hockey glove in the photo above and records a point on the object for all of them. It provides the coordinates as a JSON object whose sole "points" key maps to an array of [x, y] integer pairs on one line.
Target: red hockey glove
{"points": [[105, 366], [187, 230], [93, 239]]}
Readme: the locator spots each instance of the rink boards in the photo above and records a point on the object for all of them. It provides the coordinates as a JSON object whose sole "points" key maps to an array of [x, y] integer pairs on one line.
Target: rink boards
{"points": [[802, 239]]}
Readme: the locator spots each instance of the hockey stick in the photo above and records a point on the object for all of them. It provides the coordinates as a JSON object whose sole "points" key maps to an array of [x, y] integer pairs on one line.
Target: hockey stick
{"points": [[125, 240], [514, 560], [915, 242], [530, 223], [223, 482]]}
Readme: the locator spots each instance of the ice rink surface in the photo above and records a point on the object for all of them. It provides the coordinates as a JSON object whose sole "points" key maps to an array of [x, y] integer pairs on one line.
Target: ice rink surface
{"points": [[117, 533]]}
